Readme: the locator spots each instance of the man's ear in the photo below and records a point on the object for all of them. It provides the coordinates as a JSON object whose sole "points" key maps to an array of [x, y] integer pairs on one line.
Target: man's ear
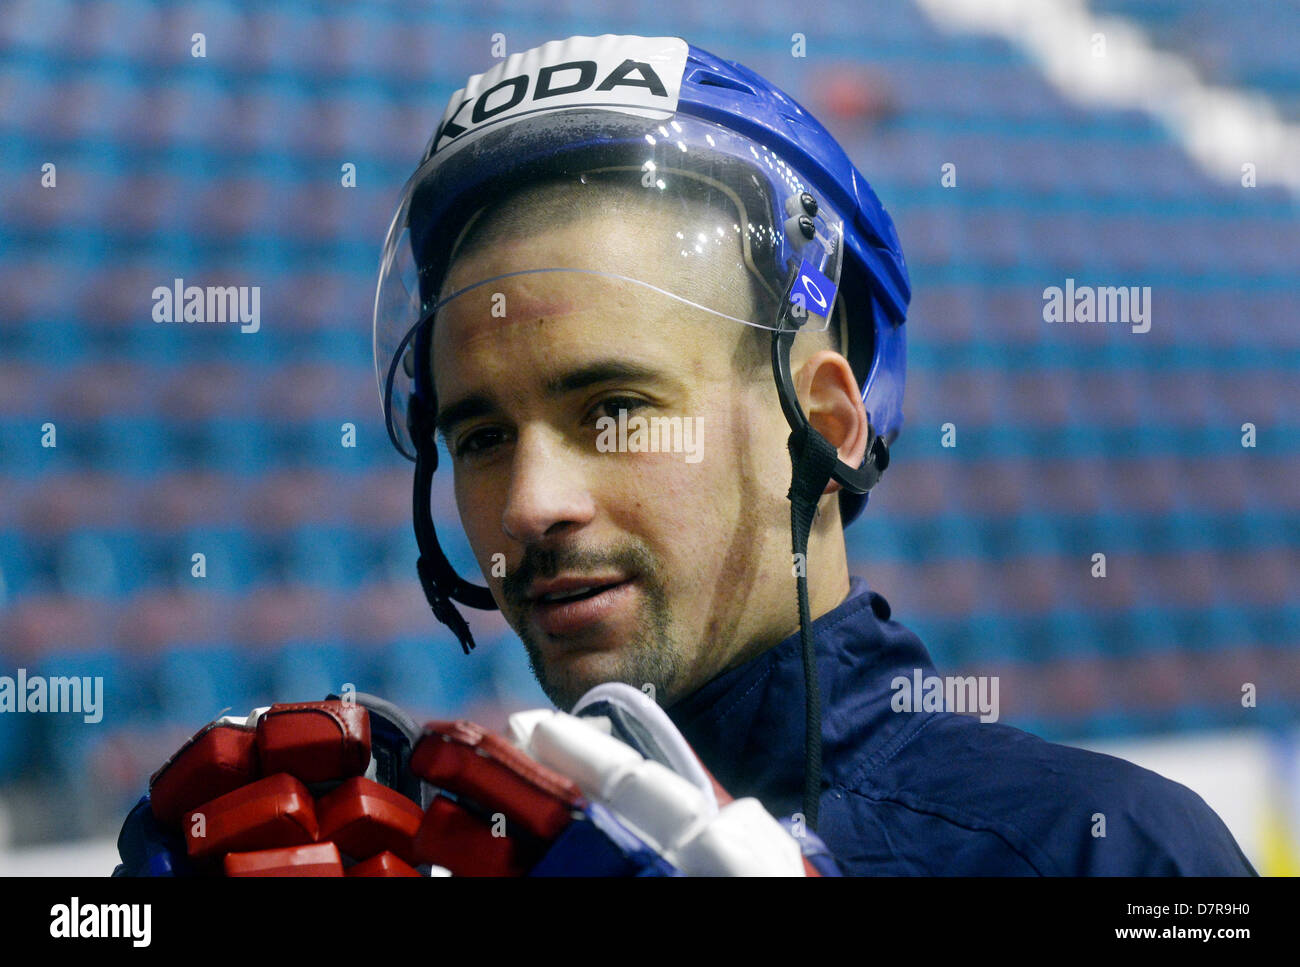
{"points": [[828, 393]]}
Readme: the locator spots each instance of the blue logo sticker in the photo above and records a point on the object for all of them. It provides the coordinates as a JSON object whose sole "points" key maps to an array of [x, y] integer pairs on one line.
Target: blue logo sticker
{"points": [[813, 290]]}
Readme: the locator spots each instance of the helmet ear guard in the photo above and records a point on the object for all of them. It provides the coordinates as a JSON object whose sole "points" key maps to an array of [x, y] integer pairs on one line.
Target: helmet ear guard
{"points": [[862, 313], [855, 480]]}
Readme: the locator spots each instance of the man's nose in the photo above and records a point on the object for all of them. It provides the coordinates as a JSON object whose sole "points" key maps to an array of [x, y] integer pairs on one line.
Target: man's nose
{"points": [[548, 488]]}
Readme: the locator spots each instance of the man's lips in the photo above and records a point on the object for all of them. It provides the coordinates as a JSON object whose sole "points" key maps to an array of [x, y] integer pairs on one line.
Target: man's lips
{"points": [[566, 606], [572, 585]]}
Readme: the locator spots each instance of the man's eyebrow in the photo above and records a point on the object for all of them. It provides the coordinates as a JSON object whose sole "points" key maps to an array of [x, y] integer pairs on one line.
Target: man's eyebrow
{"points": [[603, 371], [462, 410], [590, 374]]}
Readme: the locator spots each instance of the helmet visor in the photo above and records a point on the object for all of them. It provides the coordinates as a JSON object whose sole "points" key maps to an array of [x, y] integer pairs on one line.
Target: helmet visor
{"points": [[657, 221]]}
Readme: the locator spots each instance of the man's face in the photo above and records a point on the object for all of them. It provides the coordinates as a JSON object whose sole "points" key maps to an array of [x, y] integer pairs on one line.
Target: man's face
{"points": [[642, 567]]}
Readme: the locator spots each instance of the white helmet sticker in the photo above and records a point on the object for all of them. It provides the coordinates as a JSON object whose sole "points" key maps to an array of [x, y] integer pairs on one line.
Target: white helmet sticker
{"points": [[632, 75]]}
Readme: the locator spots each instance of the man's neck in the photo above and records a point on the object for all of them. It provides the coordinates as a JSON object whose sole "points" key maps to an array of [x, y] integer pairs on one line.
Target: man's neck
{"points": [[827, 572]]}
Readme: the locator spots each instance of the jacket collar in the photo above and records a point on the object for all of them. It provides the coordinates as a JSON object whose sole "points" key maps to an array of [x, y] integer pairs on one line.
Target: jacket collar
{"points": [[747, 724]]}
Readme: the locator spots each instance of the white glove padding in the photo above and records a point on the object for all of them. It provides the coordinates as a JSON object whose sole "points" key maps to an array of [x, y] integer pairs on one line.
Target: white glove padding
{"points": [[676, 811]]}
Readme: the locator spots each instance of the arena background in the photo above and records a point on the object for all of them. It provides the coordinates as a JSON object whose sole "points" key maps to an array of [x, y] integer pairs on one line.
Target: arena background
{"points": [[1162, 155]]}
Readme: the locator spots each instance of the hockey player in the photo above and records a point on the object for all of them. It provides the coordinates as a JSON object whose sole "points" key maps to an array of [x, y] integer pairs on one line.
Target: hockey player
{"points": [[644, 216]]}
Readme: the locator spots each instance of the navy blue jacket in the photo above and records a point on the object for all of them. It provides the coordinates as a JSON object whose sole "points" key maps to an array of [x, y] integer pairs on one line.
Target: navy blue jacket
{"points": [[937, 793]]}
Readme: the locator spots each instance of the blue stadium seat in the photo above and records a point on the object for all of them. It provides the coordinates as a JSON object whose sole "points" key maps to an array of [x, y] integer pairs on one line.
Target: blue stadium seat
{"points": [[19, 744], [21, 452], [66, 740], [15, 568], [424, 677], [124, 688], [233, 558], [194, 684], [307, 671], [240, 445], [100, 563], [54, 338], [321, 555], [1073, 633], [512, 677]]}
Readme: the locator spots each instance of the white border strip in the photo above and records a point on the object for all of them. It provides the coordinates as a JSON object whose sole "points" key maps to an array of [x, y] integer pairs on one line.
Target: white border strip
{"points": [[1221, 128]]}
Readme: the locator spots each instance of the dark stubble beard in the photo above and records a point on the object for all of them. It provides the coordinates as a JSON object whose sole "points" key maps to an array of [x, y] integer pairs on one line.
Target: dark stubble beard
{"points": [[653, 656]]}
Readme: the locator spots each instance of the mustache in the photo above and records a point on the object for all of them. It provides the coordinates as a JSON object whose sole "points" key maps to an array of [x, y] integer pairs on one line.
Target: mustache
{"points": [[632, 560]]}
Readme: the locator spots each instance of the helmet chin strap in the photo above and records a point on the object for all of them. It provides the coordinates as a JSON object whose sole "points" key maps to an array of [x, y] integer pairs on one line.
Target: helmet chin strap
{"points": [[442, 585], [814, 464]]}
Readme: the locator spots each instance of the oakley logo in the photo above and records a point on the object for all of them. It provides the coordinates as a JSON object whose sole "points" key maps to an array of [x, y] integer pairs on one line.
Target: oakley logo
{"points": [[810, 287], [637, 75], [812, 291]]}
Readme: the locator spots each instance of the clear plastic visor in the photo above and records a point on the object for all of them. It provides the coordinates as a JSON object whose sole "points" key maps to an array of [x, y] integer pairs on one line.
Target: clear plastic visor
{"points": [[696, 227]]}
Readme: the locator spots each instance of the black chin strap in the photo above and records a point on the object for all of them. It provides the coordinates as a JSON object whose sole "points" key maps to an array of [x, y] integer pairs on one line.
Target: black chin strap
{"points": [[813, 461], [442, 585]]}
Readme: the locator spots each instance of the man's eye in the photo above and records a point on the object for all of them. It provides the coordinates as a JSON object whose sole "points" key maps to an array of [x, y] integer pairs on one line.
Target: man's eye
{"points": [[478, 441], [612, 405]]}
